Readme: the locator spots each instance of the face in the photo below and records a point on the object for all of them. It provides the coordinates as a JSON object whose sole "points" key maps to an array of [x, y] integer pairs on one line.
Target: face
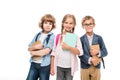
{"points": [[47, 26], [68, 25], [88, 25]]}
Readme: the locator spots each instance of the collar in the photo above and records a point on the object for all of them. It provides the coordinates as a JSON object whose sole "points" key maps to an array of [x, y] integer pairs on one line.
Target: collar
{"points": [[47, 33], [90, 37]]}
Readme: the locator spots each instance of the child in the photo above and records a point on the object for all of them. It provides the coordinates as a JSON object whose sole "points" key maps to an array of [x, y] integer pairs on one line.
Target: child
{"points": [[94, 50], [40, 49], [64, 57]]}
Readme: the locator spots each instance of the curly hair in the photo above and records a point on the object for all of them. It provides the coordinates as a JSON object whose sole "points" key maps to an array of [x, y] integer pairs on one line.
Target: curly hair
{"points": [[49, 18]]}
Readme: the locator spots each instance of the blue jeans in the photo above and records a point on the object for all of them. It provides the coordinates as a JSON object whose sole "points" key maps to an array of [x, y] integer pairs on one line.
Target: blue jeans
{"points": [[36, 71]]}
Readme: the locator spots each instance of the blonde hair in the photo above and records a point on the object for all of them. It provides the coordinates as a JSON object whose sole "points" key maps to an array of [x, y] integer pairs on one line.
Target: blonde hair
{"points": [[64, 19], [88, 18], [49, 18]]}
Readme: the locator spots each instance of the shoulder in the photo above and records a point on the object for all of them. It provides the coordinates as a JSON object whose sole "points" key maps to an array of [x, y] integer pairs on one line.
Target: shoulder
{"points": [[39, 33], [99, 36], [51, 34], [58, 35], [83, 36]]}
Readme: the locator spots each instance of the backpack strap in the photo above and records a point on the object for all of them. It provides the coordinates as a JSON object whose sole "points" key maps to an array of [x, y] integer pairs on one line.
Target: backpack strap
{"points": [[47, 39], [57, 39], [37, 36], [101, 58]]}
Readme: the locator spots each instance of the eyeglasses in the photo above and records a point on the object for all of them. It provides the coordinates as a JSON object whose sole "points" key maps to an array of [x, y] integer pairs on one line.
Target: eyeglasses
{"points": [[90, 24]]}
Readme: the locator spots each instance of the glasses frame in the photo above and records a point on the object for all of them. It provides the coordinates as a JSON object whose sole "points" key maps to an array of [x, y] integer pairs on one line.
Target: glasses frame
{"points": [[90, 24]]}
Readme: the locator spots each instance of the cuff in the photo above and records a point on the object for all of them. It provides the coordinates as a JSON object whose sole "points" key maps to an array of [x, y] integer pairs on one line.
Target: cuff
{"points": [[89, 60]]}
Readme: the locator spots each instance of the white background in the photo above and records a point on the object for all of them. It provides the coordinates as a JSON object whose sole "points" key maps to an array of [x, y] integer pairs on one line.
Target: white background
{"points": [[19, 23]]}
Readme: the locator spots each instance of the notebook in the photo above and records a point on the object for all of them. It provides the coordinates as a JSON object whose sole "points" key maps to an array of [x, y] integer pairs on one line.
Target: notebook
{"points": [[36, 43], [70, 39], [97, 47]]}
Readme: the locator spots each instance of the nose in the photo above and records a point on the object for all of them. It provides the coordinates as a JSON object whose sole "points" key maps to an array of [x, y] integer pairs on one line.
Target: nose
{"points": [[69, 25]]}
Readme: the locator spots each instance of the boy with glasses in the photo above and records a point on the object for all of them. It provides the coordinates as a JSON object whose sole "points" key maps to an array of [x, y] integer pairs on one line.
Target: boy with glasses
{"points": [[94, 51]]}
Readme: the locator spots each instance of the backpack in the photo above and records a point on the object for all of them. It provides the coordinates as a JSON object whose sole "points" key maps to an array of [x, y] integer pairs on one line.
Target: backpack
{"points": [[57, 39], [47, 39]]}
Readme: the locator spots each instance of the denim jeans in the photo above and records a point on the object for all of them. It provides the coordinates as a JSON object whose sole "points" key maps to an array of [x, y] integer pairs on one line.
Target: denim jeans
{"points": [[64, 74], [37, 72]]}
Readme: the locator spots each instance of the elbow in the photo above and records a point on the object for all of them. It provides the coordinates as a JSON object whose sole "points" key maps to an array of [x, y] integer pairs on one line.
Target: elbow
{"points": [[106, 54], [80, 52]]}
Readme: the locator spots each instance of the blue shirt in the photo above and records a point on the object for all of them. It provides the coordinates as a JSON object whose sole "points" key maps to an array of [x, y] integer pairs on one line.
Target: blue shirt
{"points": [[46, 58]]}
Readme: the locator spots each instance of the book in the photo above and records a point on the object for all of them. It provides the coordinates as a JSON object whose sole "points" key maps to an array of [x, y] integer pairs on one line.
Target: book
{"points": [[70, 39], [36, 43], [96, 47], [35, 58]]}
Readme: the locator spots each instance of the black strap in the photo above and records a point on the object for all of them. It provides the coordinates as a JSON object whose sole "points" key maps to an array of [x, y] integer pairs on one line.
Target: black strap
{"points": [[103, 63], [37, 36], [47, 39], [102, 58]]}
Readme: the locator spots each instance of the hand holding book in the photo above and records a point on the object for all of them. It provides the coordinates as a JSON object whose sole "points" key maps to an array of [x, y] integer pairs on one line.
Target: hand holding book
{"points": [[70, 39], [36, 46], [94, 50]]}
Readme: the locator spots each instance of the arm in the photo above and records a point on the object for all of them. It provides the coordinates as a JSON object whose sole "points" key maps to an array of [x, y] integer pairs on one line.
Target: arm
{"points": [[52, 66], [85, 58], [33, 44], [35, 47], [103, 50], [40, 53], [52, 72], [72, 49], [47, 48]]}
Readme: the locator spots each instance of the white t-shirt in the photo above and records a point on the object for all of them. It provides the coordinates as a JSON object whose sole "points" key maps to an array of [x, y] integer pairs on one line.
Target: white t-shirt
{"points": [[64, 57], [42, 38]]}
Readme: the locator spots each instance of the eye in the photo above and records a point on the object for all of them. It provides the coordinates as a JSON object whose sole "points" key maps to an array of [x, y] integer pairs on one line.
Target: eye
{"points": [[91, 24], [50, 23], [71, 23], [88, 24], [66, 22]]}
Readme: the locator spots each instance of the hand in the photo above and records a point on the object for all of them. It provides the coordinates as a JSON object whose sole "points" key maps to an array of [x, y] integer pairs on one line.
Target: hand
{"points": [[32, 53], [95, 61], [35, 47], [94, 52], [52, 72], [35, 53], [38, 46], [65, 46]]}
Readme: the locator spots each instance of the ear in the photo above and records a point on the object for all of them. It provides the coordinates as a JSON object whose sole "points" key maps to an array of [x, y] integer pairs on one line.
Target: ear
{"points": [[82, 26], [93, 25]]}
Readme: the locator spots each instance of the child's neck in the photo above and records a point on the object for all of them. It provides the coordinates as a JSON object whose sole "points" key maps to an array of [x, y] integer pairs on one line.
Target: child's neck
{"points": [[89, 33], [45, 32], [66, 32]]}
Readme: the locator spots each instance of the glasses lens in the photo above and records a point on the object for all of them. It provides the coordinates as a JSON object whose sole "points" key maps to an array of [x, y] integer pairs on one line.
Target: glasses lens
{"points": [[90, 24]]}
